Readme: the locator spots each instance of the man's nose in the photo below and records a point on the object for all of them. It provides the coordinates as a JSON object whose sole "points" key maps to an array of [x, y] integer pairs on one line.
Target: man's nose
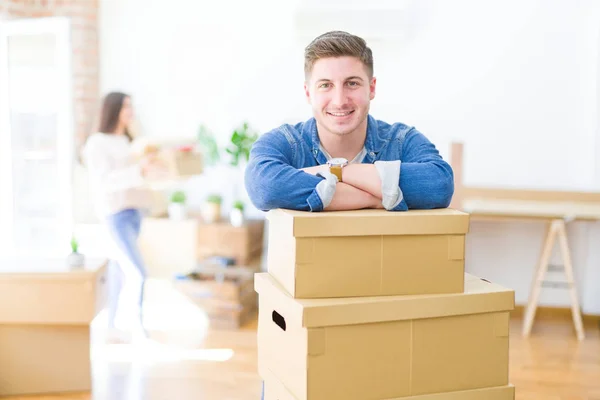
{"points": [[339, 97]]}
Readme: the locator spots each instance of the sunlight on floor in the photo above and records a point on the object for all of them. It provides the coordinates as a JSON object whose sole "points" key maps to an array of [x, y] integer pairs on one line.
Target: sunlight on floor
{"points": [[155, 352]]}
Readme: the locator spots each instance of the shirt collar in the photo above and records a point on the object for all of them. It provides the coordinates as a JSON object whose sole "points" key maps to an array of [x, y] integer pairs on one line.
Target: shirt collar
{"points": [[373, 142]]}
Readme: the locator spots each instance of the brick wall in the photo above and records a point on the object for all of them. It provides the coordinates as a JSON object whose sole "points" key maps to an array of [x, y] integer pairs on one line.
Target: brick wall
{"points": [[84, 20]]}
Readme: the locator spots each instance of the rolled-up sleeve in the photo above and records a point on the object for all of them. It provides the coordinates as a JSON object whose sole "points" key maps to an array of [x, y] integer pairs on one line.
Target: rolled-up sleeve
{"points": [[272, 182], [426, 181]]}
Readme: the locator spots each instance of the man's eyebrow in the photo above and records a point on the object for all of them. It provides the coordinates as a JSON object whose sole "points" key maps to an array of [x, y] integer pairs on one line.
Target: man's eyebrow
{"points": [[347, 79]]}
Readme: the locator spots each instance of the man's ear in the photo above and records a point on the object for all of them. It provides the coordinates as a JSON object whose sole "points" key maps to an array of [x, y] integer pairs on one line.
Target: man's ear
{"points": [[307, 92], [372, 86]]}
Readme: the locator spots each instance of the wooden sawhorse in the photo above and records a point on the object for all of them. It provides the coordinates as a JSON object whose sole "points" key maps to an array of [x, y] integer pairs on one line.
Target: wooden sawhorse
{"points": [[556, 229], [557, 214]]}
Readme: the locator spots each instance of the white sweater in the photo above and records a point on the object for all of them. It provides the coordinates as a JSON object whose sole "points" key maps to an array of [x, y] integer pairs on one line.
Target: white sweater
{"points": [[116, 180]]}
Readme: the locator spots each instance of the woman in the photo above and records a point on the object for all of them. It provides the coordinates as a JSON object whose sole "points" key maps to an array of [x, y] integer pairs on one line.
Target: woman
{"points": [[120, 199]]}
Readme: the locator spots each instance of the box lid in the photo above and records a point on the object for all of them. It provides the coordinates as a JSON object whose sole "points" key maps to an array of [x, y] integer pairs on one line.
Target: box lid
{"points": [[49, 269], [480, 296], [372, 222]]}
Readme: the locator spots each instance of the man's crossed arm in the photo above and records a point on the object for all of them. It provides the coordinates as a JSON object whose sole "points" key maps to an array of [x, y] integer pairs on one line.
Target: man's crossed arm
{"points": [[361, 187], [418, 179]]}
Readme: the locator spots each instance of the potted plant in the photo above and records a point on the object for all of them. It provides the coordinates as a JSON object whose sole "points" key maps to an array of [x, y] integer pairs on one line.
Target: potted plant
{"points": [[241, 140], [75, 259], [177, 209], [208, 143], [236, 215], [211, 209]]}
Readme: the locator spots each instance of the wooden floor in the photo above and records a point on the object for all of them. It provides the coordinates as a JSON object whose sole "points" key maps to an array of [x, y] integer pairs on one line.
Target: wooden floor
{"points": [[221, 365]]}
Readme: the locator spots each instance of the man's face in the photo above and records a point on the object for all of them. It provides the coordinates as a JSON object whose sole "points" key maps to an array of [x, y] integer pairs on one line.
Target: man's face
{"points": [[340, 91]]}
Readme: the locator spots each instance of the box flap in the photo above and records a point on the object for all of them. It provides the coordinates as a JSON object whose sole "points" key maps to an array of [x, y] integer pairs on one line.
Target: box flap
{"points": [[374, 222], [479, 296]]}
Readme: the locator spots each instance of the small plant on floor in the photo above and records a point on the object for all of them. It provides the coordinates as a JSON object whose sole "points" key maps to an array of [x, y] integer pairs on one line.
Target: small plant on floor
{"points": [[75, 259], [176, 209], [178, 197], [214, 198], [211, 209], [74, 245], [236, 216]]}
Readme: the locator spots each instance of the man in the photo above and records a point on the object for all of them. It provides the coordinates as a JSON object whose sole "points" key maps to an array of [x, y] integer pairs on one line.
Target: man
{"points": [[343, 158]]}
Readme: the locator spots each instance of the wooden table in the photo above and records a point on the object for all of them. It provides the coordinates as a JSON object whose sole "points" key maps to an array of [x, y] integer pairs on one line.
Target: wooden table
{"points": [[557, 214], [45, 315]]}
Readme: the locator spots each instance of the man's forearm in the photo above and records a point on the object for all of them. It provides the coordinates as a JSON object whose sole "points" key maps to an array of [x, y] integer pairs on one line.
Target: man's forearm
{"points": [[348, 197], [363, 177]]}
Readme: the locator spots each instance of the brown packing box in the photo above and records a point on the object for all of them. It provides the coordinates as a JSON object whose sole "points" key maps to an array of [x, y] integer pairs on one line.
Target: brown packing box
{"points": [[182, 163], [275, 390], [229, 302], [384, 347], [36, 359], [45, 316], [367, 252], [243, 243]]}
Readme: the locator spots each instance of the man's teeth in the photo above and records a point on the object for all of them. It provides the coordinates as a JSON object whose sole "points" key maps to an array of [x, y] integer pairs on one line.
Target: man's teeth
{"points": [[342, 114]]}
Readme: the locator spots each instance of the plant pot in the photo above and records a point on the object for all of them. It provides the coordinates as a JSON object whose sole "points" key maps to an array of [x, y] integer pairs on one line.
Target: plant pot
{"points": [[75, 260], [177, 211], [236, 217], [211, 212]]}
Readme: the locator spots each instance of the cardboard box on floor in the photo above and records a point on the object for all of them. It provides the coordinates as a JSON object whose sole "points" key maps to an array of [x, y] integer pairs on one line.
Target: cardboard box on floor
{"points": [[226, 294], [45, 332], [367, 252], [275, 390], [384, 347], [242, 243]]}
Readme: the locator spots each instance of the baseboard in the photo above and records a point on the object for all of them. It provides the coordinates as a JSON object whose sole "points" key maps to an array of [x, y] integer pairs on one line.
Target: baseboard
{"points": [[550, 313]]}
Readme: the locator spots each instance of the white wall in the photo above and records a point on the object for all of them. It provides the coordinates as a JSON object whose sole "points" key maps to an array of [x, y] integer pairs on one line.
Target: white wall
{"points": [[515, 80]]}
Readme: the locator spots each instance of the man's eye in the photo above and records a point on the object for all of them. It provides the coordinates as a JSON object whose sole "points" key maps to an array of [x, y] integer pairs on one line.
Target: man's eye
{"points": [[352, 83], [324, 85]]}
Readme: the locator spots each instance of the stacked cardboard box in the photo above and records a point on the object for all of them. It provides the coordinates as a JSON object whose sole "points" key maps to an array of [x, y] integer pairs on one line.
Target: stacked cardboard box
{"points": [[376, 305], [242, 243], [45, 323], [225, 293]]}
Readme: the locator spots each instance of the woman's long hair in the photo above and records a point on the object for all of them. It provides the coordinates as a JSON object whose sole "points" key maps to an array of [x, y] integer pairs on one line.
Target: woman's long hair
{"points": [[111, 109]]}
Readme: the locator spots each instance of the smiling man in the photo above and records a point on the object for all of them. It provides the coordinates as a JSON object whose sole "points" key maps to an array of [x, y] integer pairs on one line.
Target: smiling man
{"points": [[343, 158]]}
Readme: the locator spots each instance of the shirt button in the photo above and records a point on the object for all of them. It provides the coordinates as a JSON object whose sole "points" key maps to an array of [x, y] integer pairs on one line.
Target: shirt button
{"points": [[372, 154]]}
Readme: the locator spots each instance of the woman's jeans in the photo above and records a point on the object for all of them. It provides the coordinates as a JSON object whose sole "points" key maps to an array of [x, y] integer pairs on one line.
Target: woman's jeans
{"points": [[127, 272]]}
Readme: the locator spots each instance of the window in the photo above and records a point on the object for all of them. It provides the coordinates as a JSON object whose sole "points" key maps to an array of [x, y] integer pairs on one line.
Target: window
{"points": [[36, 137]]}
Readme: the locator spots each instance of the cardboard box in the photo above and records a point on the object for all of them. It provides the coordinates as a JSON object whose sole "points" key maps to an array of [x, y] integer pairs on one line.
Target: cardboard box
{"points": [[169, 246], [384, 347], [244, 243], [226, 294], [48, 292], [181, 157], [183, 163], [367, 252], [41, 359], [275, 390], [45, 324]]}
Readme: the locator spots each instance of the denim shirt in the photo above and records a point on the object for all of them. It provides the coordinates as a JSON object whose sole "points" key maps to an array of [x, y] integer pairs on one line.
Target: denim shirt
{"points": [[273, 177]]}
